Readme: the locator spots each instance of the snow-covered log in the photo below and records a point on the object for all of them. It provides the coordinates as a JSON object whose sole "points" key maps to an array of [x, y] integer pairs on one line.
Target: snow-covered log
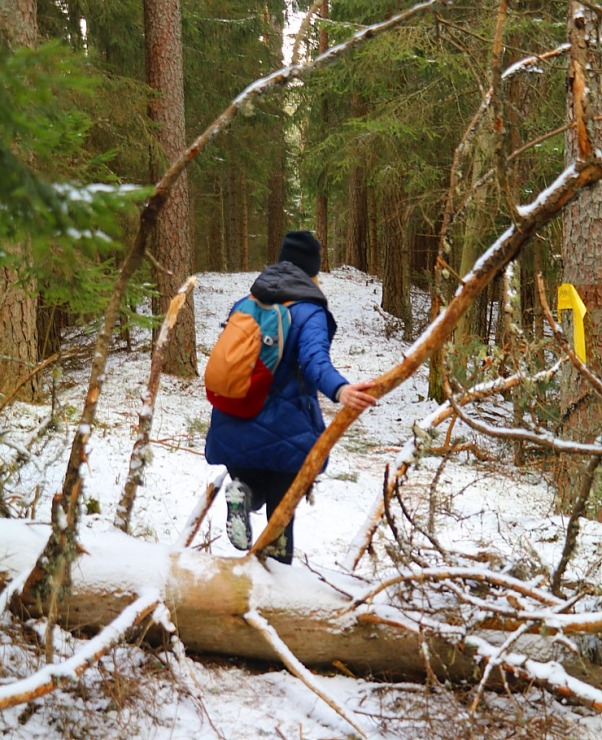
{"points": [[208, 598], [321, 620]]}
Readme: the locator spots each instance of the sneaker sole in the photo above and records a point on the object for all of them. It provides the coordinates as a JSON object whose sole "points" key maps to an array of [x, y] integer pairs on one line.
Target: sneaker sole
{"points": [[238, 527]]}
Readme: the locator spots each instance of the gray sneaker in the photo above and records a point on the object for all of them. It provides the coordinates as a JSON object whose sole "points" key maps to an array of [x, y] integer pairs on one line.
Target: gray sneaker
{"points": [[238, 526]]}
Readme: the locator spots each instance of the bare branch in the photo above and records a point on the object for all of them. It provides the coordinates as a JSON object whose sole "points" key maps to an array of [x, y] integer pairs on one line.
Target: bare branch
{"points": [[156, 264], [298, 669], [596, 8], [139, 456], [542, 438], [426, 575], [579, 509], [53, 676], [195, 520], [495, 660], [420, 442], [551, 675]]}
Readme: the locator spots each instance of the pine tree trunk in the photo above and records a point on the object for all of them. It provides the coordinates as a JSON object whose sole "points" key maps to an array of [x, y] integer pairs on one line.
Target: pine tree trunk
{"points": [[582, 258], [18, 305], [356, 253], [373, 250], [322, 199], [173, 249], [232, 219], [214, 239], [244, 226], [276, 179], [356, 249], [276, 203], [18, 334], [396, 270]]}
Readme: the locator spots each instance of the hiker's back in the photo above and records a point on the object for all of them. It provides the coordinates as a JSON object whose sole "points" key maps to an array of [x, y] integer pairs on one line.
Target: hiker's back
{"points": [[241, 367]]}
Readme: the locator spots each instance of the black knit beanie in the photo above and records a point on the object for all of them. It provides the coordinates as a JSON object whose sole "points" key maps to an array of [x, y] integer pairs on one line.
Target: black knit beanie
{"points": [[302, 249]]}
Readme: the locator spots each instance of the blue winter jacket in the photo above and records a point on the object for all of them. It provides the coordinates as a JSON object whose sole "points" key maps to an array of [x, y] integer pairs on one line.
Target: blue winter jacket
{"points": [[285, 430]]}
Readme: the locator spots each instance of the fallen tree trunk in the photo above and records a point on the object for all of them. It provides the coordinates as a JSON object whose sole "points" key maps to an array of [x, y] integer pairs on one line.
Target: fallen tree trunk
{"points": [[210, 598]]}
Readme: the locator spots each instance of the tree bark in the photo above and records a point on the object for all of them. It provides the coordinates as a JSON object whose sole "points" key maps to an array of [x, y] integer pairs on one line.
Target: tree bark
{"points": [[276, 201], [356, 252], [357, 225], [244, 226], [19, 22], [322, 198], [582, 246], [396, 271], [18, 303], [172, 243]]}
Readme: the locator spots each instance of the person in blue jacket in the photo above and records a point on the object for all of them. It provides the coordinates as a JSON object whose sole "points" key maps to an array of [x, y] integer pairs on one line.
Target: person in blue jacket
{"points": [[264, 454]]}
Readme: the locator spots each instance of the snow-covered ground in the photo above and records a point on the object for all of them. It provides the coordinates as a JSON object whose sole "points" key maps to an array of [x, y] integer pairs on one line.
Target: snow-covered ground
{"points": [[135, 693]]}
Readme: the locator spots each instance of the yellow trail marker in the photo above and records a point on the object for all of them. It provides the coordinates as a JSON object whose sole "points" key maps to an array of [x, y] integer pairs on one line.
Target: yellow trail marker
{"points": [[569, 298]]}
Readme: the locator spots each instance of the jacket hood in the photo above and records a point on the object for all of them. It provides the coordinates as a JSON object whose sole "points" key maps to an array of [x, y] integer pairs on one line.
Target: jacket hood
{"points": [[283, 282]]}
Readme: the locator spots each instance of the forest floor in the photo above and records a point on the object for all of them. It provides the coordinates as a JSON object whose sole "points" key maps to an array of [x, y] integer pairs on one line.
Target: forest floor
{"points": [[477, 504]]}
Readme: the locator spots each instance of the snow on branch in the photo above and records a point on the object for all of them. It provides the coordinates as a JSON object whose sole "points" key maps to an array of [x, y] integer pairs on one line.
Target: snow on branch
{"points": [[550, 674], [298, 669], [541, 437], [480, 575], [419, 444], [52, 676], [140, 454], [199, 512]]}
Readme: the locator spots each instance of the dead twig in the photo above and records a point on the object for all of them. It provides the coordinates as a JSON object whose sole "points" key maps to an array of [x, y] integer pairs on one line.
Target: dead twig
{"points": [[53, 676], [139, 456], [298, 669], [197, 517], [542, 438], [422, 440], [551, 675]]}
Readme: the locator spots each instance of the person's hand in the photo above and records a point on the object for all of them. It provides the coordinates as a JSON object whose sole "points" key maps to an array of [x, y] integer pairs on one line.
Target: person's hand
{"points": [[354, 395]]}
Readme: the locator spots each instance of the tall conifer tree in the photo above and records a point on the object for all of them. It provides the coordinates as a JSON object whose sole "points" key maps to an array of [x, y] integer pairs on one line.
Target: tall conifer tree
{"points": [[18, 301], [582, 247], [172, 245]]}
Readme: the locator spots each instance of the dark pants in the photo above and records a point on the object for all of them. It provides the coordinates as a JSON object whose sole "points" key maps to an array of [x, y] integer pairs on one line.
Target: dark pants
{"points": [[268, 487]]}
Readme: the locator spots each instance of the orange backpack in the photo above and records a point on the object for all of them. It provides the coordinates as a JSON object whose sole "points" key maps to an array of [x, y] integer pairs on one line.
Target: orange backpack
{"points": [[241, 366]]}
